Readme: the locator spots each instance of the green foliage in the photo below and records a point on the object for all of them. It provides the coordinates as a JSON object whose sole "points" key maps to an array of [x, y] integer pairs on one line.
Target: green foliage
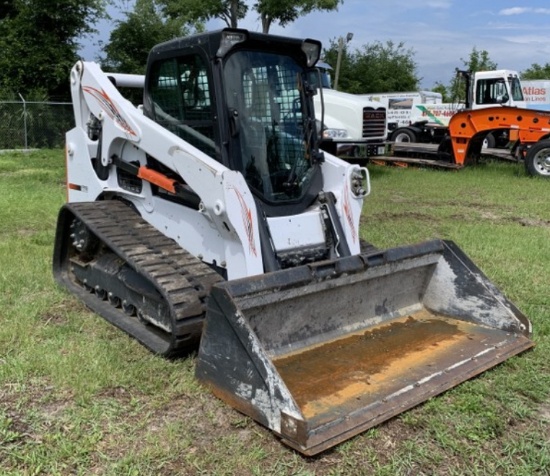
{"points": [[287, 11], [376, 67], [155, 21], [230, 11], [33, 123], [478, 60], [38, 43], [442, 89], [536, 71], [132, 39]]}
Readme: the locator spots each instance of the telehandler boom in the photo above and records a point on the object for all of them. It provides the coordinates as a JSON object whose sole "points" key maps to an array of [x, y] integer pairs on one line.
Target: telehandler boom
{"points": [[210, 214]]}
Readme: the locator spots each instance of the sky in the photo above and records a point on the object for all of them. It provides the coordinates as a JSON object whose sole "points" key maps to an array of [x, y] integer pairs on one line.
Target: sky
{"points": [[441, 33]]}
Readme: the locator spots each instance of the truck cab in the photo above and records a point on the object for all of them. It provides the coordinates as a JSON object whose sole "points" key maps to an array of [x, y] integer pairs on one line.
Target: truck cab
{"points": [[353, 125], [500, 87]]}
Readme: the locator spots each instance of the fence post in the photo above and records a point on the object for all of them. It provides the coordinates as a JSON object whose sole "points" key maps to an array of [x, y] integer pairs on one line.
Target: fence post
{"points": [[25, 120]]}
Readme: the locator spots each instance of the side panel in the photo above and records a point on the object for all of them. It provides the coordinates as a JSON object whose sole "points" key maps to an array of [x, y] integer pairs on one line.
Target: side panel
{"points": [[224, 229], [338, 177]]}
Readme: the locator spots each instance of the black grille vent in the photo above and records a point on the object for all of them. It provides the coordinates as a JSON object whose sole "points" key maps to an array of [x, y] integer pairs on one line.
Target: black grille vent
{"points": [[374, 122]]}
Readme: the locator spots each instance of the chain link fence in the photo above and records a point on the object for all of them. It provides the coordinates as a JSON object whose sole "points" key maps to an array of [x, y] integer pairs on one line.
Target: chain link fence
{"points": [[34, 125]]}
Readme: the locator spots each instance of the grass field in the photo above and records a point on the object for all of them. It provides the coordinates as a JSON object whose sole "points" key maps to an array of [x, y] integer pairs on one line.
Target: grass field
{"points": [[79, 397]]}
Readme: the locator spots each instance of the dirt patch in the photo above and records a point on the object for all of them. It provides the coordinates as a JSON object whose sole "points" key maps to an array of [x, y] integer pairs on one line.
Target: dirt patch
{"points": [[119, 394], [399, 216], [56, 314], [52, 318], [529, 222], [29, 411], [488, 215], [25, 232], [17, 427], [460, 217], [544, 413], [532, 222]]}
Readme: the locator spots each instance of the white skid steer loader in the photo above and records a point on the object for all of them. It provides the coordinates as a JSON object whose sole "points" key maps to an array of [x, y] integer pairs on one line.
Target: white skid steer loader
{"points": [[209, 214]]}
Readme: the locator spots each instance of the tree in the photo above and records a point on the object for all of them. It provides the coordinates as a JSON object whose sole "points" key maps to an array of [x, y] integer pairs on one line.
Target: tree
{"points": [[231, 11], [7, 8], [478, 60], [287, 11], [376, 67], [38, 43], [132, 39], [442, 89], [536, 71]]}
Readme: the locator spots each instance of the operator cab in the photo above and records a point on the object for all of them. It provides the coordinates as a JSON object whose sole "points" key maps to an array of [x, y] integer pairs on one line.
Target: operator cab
{"points": [[497, 87], [247, 102]]}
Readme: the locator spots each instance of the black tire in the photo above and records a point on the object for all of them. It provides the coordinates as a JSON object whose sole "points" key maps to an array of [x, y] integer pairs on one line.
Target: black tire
{"points": [[537, 160], [489, 142], [403, 135], [445, 150], [355, 152]]}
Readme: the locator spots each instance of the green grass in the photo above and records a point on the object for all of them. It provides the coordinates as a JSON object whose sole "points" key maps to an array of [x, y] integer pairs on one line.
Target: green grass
{"points": [[79, 397]]}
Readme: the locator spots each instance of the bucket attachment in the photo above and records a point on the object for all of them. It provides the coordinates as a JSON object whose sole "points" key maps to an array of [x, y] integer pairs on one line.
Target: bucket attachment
{"points": [[320, 353]]}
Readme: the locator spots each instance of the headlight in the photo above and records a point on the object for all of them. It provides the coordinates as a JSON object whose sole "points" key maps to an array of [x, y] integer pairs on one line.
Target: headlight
{"points": [[335, 133]]}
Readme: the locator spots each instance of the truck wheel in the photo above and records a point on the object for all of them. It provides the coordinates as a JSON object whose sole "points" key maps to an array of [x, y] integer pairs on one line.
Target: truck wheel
{"points": [[537, 160], [489, 142], [445, 150], [403, 135], [355, 152]]}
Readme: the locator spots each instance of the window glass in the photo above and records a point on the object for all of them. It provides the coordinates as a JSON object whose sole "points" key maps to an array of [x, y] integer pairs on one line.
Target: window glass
{"points": [[181, 101], [492, 91], [515, 86], [266, 92]]}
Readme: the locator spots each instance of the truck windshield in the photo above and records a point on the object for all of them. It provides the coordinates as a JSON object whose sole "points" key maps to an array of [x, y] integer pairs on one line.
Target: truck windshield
{"points": [[275, 132], [515, 88], [498, 90]]}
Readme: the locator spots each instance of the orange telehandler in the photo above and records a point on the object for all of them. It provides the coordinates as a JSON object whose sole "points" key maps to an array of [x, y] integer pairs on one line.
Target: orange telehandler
{"points": [[528, 129], [529, 133]]}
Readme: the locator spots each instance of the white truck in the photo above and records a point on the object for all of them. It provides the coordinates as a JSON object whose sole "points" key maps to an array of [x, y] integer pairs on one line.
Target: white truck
{"points": [[537, 94], [429, 122], [400, 105], [353, 125]]}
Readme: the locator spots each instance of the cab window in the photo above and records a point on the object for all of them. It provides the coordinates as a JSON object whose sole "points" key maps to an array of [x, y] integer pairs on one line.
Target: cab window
{"points": [[491, 91], [180, 95]]}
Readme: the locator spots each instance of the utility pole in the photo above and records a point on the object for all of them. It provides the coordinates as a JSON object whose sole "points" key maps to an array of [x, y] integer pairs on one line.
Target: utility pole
{"points": [[341, 40]]}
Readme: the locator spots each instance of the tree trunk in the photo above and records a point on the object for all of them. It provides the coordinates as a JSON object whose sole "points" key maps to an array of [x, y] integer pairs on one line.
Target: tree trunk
{"points": [[234, 13], [266, 23]]}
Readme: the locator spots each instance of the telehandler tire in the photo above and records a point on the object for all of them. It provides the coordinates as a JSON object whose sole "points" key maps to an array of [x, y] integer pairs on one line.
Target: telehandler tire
{"points": [[537, 160]]}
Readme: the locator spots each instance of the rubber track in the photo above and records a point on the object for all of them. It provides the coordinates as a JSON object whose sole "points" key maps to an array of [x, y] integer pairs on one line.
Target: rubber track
{"points": [[181, 278]]}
